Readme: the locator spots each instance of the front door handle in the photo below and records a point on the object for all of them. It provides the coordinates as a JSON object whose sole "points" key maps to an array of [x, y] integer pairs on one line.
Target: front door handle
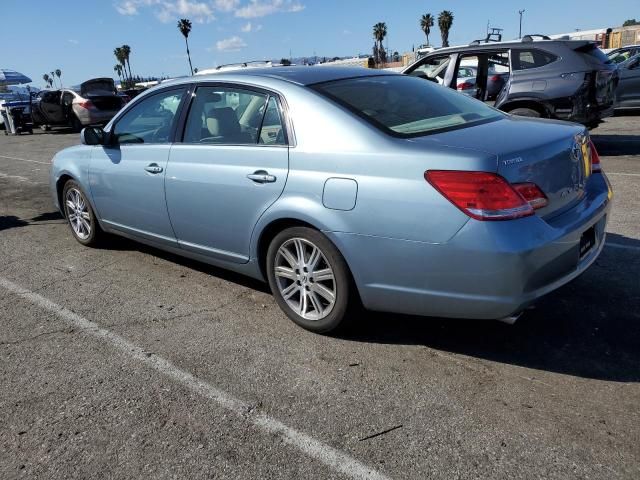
{"points": [[261, 176], [153, 168]]}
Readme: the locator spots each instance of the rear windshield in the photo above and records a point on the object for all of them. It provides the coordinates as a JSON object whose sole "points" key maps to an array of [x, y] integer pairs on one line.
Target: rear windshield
{"points": [[595, 53], [407, 106]]}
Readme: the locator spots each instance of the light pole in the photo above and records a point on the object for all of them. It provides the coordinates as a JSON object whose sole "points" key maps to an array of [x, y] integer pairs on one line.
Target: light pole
{"points": [[520, 12]]}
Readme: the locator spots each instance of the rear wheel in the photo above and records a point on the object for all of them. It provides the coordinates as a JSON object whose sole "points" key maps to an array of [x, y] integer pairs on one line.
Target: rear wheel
{"points": [[76, 125], [525, 112], [80, 215], [309, 279]]}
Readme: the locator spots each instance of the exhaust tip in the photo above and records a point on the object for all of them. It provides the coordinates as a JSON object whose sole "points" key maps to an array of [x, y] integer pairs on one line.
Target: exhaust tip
{"points": [[511, 319]]}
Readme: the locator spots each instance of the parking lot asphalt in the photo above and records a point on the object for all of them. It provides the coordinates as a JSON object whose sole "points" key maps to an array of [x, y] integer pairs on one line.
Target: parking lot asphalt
{"points": [[127, 362]]}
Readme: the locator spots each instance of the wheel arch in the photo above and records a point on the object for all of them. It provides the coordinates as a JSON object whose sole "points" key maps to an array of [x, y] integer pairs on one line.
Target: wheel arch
{"points": [[60, 183], [532, 103]]}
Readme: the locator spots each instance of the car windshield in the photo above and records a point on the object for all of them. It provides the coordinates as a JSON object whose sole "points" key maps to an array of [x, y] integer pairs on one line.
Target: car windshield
{"points": [[407, 106]]}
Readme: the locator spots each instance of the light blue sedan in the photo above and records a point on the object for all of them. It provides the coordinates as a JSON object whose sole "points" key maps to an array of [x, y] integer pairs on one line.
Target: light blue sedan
{"points": [[343, 187]]}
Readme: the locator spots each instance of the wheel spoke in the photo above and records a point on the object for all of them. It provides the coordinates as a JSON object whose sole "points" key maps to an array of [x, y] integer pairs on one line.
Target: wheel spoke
{"points": [[86, 225], [285, 272], [71, 205], [324, 292], [323, 275], [314, 258], [287, 256], [299, 250], [290, 291], [303, 302], [315, 301], [86, 215]]}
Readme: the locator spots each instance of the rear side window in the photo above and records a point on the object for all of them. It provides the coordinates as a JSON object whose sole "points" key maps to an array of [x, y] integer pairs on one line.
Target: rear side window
{"points": [[406, 106], [526, 59]]}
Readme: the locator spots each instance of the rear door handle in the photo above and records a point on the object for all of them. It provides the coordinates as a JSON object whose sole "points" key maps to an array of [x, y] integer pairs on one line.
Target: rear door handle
{"points": [[261, 176], [153, 168]]}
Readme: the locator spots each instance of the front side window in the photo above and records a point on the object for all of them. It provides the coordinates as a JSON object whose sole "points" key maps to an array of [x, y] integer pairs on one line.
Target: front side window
{"points": [[406, 106], [233, 116], [433, 69], [149, 120]]}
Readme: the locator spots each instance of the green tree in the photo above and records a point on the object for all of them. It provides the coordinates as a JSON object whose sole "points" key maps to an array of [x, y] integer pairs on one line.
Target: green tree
{"points": [[630, 22], [445, 21], [426, 22], [118, 69], [379, 33], [126, 52], [285, 61], [59, 75], [47, 80], [184, 25], [119, 54]]}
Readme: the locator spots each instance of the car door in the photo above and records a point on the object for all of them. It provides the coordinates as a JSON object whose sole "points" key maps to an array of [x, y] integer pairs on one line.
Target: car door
{"points": [[127, 175], [628, 90], [51, 108], [230, 166]]}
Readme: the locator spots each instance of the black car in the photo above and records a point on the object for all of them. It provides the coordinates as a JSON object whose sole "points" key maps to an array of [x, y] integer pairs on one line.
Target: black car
{"points": [[563, 79]]}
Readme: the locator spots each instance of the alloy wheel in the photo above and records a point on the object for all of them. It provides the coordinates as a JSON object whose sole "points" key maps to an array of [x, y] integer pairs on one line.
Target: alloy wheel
{"points": [[78, 213], [305, 279]]}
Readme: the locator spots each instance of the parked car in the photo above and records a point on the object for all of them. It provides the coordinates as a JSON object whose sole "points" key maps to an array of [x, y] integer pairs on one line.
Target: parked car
{"points": [[4, 98], [562, 79], [341, 185], [628, 91], [621, 55], [94, 102]]}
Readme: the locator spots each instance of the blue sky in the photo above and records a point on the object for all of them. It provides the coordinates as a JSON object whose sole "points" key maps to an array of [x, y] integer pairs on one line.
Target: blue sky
{"points": [[78, 36]]}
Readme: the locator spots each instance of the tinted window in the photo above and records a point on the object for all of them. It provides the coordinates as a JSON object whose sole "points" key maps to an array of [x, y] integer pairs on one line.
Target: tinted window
{"points": [[233, 116], [407, 106], [525, 59], [150, 120]]}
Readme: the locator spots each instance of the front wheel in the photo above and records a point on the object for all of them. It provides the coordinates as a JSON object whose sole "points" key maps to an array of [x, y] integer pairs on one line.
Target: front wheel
{"points": [[80, 215], [309, 279]]}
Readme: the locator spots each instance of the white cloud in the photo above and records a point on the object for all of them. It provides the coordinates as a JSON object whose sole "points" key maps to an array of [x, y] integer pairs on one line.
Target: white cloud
{"points": [[73, 41], [250, 27], [232, 44], [168, 10], [226, 5], [261, 8]]}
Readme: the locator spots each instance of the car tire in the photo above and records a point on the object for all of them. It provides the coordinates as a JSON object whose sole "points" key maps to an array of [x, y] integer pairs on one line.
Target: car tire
{"points": [[80, 216], [294, 258], [76, 125], [526, 112]]}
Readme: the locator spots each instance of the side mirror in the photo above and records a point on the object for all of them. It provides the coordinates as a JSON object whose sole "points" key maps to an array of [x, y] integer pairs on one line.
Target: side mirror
{"points": [[92, 136]]}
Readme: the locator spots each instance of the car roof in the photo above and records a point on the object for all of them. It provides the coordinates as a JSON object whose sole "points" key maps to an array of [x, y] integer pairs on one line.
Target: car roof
{"points": [[573, 44], [301, 75]]}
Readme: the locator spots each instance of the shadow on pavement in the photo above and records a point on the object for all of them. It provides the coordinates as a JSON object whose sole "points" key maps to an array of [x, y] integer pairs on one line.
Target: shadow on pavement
{"points": [[589, 328], [11, 221]]}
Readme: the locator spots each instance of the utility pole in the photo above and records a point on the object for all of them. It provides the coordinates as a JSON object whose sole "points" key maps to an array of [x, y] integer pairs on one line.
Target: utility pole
{"points": [[520, 12]]}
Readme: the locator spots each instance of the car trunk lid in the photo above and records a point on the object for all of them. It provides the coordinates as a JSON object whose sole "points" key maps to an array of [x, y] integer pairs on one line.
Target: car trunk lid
{"points": [[548, 153]]}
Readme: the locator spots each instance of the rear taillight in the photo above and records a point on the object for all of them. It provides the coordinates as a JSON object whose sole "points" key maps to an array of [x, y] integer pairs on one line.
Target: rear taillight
{"points": [[532, 194], [495, 78], [595, 158], [481, 195], [465, 86], [86, 104]]}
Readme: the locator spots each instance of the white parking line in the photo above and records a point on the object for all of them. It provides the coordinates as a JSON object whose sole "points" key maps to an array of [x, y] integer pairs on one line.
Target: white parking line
{"points": [[622, 246], [331, 457], [25, 160]]}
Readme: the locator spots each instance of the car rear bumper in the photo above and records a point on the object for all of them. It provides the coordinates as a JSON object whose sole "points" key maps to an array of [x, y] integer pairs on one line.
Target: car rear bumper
{"points": [[94, 117], [488, 270]]}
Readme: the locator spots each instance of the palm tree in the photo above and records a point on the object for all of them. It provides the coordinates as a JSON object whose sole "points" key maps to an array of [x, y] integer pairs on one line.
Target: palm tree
{"points": [[46, 79], [126, 52], [184, 26], [53, 76], [118, 69], [445, 20], [379, 32], [426, 22], [59, 75]]}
